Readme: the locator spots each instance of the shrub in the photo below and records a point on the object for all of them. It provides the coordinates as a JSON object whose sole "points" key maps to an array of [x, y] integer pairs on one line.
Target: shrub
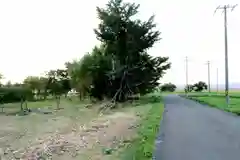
{"points": [[15, 94]]}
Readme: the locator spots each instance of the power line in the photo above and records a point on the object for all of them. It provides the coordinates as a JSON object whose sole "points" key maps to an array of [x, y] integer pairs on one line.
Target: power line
{"points": [[225, 8]]}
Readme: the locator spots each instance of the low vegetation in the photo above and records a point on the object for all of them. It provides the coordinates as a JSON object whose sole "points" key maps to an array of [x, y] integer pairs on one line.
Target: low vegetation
{"points": [[143, 145], [168, 87], [197, 87], [218, 101]]}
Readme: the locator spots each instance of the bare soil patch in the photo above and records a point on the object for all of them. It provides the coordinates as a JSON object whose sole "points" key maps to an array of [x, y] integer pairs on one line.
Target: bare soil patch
{"points": [[75, 133]]}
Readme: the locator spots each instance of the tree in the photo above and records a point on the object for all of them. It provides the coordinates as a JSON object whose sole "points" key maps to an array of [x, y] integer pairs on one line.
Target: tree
{"points": [[79, 71], [168, 87], [121, 63], [189, 88], [200, 86], [43, 87], [58, 83], [33, 83], [37, 85], [8, 84], [1, 77], [25, 94], [17, 85], [16, 94]]}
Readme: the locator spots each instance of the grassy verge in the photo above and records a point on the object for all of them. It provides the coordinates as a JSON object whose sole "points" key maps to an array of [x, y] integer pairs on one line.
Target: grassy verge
{"points": [[232, 94], [143, 145], [219, 102]]}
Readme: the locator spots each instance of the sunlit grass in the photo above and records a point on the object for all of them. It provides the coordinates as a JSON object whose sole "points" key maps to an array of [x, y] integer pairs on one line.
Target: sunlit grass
{"points": [[220, 102], [143, 146]]}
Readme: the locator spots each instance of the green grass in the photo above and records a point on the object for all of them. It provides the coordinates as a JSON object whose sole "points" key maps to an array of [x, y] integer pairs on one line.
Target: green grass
{"points": [[220, 102], [143, 145], [232, 93], [14, 108]]}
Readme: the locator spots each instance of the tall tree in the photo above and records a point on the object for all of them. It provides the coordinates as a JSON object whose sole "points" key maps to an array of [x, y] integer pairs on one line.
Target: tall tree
{"points": [[120, 66], [126, 40]]}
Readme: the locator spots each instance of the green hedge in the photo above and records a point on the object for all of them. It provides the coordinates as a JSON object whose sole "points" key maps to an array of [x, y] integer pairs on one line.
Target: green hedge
{"points": [[15, 94]]}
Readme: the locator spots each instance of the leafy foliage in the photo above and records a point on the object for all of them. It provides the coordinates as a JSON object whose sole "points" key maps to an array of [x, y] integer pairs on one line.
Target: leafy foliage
{"points": [[168, 87], [90, 73], [189, 88], [37, 85], [32, 82], [1, 77], [117, 69], [58, 83], [15, 94], [200, 86], [120, 66]]}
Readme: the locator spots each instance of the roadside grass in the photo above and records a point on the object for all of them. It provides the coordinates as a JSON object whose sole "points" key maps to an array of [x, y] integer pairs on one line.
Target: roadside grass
{"points": [[142, 147], [219, 102], [232, 93]]}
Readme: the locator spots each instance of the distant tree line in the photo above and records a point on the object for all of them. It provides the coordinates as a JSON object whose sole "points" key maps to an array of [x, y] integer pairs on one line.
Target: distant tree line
{"points": [[197, 87]]}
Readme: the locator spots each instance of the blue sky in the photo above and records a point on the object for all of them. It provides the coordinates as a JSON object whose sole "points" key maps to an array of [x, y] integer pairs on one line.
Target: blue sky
{"points": [[36, 36]]}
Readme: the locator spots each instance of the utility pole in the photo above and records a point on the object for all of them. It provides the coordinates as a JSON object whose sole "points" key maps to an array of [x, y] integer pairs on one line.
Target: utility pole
{"points": [[225, 8], [217, 80], [186, 61], [209, 85]]}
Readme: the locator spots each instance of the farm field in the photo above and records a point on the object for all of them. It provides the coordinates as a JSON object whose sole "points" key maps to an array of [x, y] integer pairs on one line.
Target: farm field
{"points": [[232, 93], [218, 100], [79, 130]]}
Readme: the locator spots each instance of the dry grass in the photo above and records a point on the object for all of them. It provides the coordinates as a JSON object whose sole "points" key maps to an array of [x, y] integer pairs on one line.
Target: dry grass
{"points": [[76, 132]]}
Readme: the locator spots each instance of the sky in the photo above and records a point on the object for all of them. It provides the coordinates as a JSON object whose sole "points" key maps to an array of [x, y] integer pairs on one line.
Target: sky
{"points": [[36, 36]]}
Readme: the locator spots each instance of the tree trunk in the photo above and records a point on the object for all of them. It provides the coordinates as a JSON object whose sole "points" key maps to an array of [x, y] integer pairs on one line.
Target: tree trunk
{"points": [[58, 101], [65, 95], [21, 104], [26, 107], [80, 96], [39, 94]]}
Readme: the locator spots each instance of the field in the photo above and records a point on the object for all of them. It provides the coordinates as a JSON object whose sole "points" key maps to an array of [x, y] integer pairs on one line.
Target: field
{"points": [[79, 131], [218, 100]]}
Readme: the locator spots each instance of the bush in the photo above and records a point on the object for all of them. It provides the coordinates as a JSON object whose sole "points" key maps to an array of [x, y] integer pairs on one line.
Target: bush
{"points": [[168, 87], [15, 94], [200, 86]]}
